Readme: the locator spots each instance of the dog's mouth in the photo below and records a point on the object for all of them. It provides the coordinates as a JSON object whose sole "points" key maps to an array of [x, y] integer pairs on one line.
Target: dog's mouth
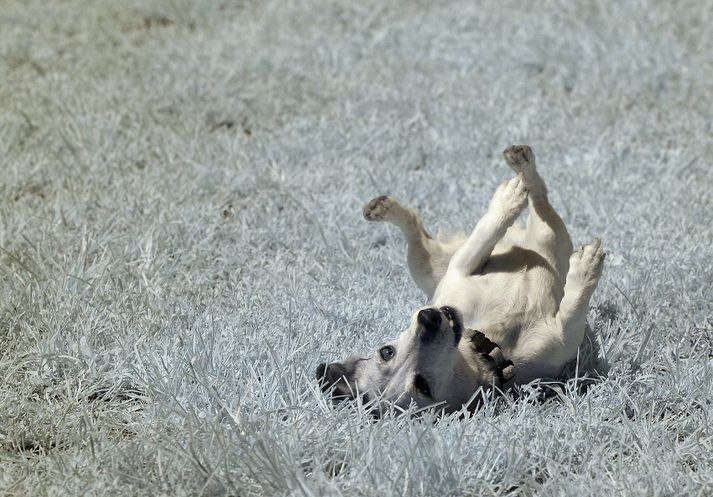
{"points": [[455, 320]]}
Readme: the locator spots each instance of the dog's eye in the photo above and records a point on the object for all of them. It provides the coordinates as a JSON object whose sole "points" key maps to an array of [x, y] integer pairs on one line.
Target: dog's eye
{"points": [[387, 352], [421, 385]]}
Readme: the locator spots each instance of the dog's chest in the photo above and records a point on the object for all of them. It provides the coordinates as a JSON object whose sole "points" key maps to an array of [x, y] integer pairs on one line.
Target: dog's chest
{"points": [[501, 304]]}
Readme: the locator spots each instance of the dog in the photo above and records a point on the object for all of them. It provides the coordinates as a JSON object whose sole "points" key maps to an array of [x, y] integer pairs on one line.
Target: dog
{"points": [[509, 304]]}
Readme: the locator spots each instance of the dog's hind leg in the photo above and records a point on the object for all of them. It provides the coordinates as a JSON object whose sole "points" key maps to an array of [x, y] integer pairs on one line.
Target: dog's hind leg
{"points": [[506, 205], [549, 345], [427, 257], [546, 233], [585, 269]]}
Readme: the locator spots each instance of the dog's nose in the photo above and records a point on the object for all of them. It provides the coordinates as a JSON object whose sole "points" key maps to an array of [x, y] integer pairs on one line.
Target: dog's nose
{"points": [[430, 320]]}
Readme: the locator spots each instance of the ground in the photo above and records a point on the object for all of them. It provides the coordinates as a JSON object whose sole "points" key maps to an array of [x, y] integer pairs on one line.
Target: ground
{"points": [[181, 240]]}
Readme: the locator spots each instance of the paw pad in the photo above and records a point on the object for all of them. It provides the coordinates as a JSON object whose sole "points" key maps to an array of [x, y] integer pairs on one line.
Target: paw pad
{"points": [[518, 155], [376, 208]]}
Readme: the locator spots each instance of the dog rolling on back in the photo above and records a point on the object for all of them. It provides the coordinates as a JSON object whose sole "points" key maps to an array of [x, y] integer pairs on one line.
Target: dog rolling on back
{"points": [[509, 303]]}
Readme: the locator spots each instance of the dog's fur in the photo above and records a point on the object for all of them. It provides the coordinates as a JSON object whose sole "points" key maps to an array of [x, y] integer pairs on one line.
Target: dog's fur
{"points": [[521, 286]]}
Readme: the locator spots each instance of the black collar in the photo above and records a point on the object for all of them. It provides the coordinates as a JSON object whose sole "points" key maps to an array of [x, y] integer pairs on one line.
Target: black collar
{"points": [[502, 368]]}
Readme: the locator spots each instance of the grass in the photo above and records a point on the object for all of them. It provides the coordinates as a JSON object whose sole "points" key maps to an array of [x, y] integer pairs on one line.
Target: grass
{"points": [[181, 242]]}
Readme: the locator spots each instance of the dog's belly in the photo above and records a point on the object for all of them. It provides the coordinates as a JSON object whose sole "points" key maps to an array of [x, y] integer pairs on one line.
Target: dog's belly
{"points": [[505, 299]]}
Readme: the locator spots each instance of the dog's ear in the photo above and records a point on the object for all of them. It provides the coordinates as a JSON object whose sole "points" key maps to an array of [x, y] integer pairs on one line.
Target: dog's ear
{"points": [[339, 378]]}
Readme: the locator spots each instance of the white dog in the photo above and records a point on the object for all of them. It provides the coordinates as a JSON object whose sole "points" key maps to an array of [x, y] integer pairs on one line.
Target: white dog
{"points": [[521, 287]]}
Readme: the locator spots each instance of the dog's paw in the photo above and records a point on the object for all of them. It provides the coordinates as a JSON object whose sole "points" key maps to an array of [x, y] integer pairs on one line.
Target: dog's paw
{"points": [[377, 208], [585, 264], [509, 199], [519, 158]]}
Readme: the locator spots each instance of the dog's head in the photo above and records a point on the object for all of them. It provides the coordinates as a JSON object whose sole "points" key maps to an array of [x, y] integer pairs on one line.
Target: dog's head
{"points": [[418, 367]]}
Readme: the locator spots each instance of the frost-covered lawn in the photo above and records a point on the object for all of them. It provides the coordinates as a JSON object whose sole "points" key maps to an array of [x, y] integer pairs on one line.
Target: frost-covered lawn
{"points": [[181, 239]]}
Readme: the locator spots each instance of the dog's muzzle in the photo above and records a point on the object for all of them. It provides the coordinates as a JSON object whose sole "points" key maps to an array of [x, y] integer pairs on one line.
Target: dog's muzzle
{"points": [[430, 319]]}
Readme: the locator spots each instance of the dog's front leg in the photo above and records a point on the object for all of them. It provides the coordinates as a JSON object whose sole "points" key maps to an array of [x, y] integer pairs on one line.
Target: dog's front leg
{"points": [[506, 205], [424, 254]]}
